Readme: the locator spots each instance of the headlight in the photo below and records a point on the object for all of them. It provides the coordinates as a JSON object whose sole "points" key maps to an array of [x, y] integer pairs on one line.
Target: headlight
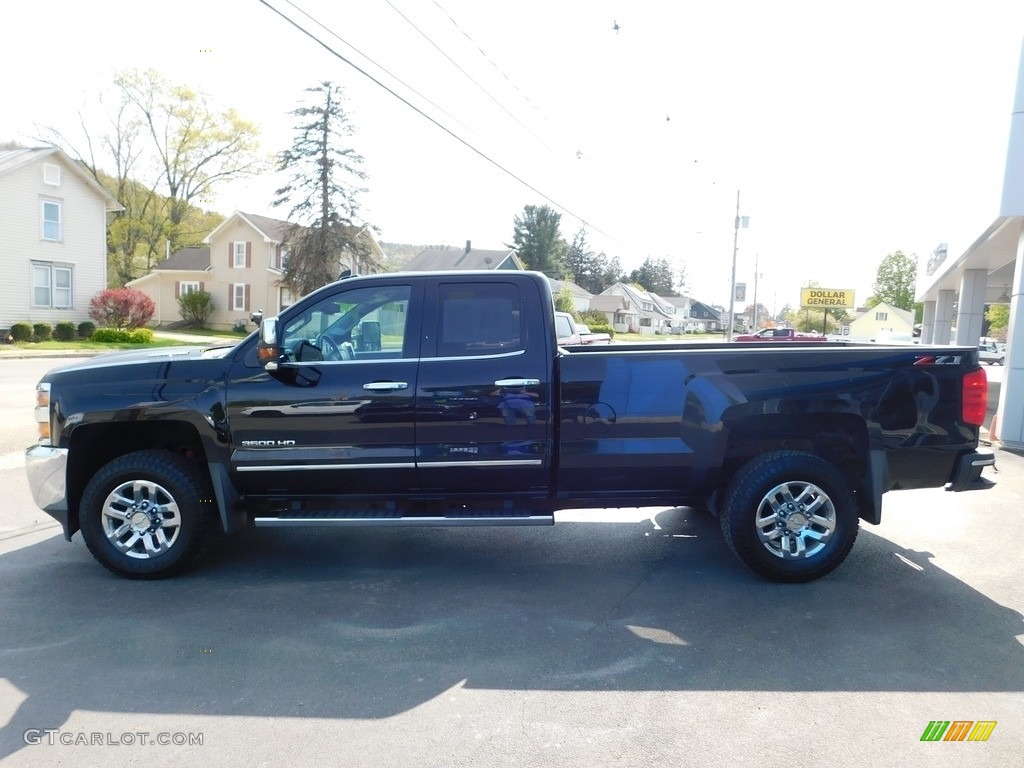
{"points": [[42, 412]]}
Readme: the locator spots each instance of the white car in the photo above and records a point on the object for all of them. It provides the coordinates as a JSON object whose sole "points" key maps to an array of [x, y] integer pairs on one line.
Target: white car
{"points": [[991, 354]]}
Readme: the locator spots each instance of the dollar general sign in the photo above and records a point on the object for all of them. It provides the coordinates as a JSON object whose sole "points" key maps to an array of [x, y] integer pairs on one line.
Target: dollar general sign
{"points": [[826, 298]]}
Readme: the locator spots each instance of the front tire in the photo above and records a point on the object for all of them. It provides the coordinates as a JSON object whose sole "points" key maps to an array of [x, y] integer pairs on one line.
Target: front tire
{"points": [[789, 516], [147, 515]]}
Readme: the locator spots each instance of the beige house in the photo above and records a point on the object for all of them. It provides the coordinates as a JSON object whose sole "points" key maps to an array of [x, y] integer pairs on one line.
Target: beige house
{"points": [[53, 236], [240, 264], [882, 323]]}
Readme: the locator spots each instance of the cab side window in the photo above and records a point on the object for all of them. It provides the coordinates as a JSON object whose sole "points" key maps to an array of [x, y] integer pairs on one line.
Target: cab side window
{"points": [[358, 324], [476, 319]]}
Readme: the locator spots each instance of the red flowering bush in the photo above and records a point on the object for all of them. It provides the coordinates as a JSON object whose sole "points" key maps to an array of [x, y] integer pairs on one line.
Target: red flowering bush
{"points": [[121, 308]]}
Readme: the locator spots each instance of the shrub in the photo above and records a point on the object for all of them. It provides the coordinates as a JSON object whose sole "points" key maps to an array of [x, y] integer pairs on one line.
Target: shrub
{"points": [[597, 322], [21, 332], [65, 331], [140, 336], [240, 326], [195, 307], [86, 329], [121, 308], [42, 332], [110, 336]]}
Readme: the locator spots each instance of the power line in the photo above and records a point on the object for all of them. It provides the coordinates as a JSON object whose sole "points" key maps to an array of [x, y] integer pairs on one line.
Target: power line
{"points": [[469, 77], [419, 111], [380, 67], [499, 70]]}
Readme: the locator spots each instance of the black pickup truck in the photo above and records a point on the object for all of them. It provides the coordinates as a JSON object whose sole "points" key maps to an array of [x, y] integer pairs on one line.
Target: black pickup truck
{"points": [[431, 399]]}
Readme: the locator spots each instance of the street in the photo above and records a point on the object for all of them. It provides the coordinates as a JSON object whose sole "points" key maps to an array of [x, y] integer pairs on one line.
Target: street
{"points": [[617, 637]]}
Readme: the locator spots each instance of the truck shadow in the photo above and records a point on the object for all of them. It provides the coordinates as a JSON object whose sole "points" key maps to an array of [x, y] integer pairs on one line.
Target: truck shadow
{"points": [[368, 623]]}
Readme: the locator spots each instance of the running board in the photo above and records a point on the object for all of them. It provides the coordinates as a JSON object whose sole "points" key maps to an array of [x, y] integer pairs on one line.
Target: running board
{"points": [[299, 520]]}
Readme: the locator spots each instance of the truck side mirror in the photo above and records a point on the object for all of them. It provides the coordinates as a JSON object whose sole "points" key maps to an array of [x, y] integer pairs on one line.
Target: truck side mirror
{"points": [[267, 349]]}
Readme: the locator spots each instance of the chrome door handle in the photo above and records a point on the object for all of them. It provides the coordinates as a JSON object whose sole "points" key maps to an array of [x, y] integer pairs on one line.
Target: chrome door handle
{"points": [[385, 386], [517, 382]]}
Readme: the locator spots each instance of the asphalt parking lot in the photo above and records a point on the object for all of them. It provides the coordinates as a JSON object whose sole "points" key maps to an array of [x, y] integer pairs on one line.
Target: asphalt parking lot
{"points": [[628, 637]]}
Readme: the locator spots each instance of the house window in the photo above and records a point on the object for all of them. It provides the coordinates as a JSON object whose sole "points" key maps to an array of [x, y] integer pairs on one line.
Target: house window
{"points": [[881, 315], [238, 295], [51, 213], [239, 261], [51, 286], [188, 286], [284, 298], [51, 174]]}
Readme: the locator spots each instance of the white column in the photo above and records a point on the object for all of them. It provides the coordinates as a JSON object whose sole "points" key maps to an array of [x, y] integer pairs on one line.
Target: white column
{"points": [[1010, 429], [944, 317], [971, 310], [928, 323]]}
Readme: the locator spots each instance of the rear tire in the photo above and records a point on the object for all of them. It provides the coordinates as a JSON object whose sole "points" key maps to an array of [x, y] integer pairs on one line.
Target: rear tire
{"points": [[147, 515], [789, 516]]}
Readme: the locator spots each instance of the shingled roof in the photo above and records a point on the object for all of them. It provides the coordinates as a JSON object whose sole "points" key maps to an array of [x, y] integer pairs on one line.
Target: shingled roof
{"points": [[187, 260], [450, 257]]}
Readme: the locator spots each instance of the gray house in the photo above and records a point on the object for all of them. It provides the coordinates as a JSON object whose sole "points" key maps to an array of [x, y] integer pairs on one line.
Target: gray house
{"points": [[53, 236], [448, 257]]}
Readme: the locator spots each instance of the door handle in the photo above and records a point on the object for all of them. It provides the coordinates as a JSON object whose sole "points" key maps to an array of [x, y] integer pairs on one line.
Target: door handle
{"points": [[385, 386], [517, 382]]}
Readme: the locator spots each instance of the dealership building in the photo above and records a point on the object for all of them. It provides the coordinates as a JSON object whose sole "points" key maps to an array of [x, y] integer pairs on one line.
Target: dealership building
{"points": [[956, 291]]}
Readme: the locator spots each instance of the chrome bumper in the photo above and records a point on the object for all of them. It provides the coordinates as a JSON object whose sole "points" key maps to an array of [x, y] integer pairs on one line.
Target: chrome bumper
{"points": [[47, 478]]}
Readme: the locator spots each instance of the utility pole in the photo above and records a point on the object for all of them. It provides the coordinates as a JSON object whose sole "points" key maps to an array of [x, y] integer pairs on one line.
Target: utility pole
{"points": [[735, 245]]}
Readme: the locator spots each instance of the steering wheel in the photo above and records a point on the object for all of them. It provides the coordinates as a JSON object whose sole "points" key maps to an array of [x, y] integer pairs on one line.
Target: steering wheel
{"points": [[332, 351]]}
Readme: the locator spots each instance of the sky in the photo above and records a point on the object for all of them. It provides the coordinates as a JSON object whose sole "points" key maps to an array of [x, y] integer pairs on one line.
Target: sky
{"points": [[847, 130]]}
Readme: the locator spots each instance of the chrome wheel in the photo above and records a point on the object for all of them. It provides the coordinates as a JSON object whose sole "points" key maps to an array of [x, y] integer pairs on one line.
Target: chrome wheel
{"points": [[790, 516], [147, 514], [795, 520], [141, 519]]}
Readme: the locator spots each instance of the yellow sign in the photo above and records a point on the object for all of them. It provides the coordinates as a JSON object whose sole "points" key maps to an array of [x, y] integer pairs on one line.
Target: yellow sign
{"points": [[826, 298]]}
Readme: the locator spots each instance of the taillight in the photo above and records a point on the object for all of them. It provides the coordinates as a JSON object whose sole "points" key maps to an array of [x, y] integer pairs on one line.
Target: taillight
{"points": [[975, 398], [42, 412]]}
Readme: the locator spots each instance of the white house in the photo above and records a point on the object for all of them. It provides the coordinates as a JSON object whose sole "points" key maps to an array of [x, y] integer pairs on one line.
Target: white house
{"points": [[53, 237]]}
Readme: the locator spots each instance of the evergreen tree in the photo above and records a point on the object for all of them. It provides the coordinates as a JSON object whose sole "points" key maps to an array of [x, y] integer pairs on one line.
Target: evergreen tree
{"points": [[539, 242], [322, 195], [654, 275], [583, 266]]}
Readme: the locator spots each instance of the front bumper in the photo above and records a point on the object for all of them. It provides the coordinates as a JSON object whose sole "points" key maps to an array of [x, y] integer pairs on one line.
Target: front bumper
{"points": [[47, 478], [966, 474]]}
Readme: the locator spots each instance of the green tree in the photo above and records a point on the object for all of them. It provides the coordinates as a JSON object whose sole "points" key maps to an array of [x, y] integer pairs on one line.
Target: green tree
{"points": [[538, 241], [162, 150], [582, 265], [654, 275], [895, 282], [812, 321], [564, 301], [612, 273], [998, 317], [197, 145], [322, 194]]}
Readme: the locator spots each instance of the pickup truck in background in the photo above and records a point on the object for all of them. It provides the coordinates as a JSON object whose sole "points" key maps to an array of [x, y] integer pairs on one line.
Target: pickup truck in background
{"points": [[569, 332], [445, 399], [779, 334]]}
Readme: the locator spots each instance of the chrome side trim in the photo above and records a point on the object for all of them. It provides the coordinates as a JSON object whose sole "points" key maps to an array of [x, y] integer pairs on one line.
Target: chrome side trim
{"points": [[307, 467], [517, 353], [400, 522], [493, 463]]}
